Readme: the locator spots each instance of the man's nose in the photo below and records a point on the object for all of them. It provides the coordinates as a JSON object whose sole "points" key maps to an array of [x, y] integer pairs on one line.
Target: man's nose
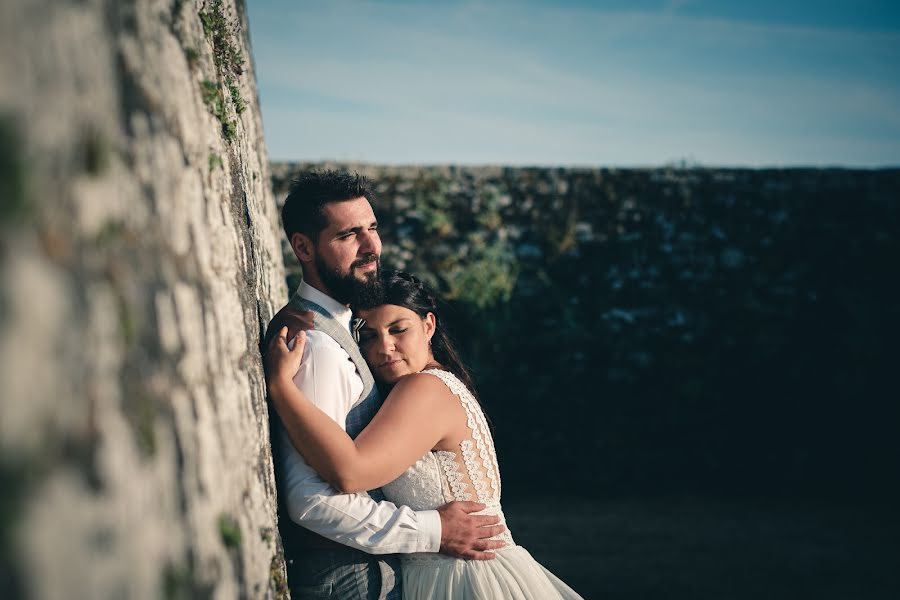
{"points": [[370, 244]]}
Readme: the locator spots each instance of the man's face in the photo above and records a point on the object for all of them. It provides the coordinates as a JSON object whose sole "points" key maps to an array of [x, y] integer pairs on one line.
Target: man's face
{"points": [[348, 250]]}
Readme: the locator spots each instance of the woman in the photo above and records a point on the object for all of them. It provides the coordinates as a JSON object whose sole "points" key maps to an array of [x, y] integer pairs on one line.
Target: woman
{"points": [[429, 443]]}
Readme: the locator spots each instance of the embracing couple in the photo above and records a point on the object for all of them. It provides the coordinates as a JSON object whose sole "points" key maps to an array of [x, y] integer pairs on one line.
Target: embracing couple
{"points": [[386, 465]]}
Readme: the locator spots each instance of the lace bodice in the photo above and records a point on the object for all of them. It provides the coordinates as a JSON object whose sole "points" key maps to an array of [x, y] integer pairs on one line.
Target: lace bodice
{"points": [[469, 473]]}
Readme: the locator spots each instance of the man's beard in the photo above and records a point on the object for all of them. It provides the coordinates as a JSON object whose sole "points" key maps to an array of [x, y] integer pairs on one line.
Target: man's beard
{"points": [[346, 288]]}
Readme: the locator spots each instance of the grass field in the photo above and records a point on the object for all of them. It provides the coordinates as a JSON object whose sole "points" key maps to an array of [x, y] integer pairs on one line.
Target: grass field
{"points": [[697, 549]]}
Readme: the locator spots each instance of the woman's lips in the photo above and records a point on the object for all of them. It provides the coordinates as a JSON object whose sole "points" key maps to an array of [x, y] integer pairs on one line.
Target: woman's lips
{"points": [[390, 364]]}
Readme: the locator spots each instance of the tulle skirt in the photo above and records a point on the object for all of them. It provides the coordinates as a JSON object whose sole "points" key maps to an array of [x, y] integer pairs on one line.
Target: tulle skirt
{"points": [[513, 575]]}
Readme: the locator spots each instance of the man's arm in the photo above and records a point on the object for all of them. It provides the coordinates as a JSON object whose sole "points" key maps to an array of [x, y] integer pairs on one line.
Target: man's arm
{"points": [[355, 519], [358, 521]]}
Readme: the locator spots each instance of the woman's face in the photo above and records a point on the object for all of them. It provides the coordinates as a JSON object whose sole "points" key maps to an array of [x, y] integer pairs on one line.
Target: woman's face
{"points": [[395, 341]]}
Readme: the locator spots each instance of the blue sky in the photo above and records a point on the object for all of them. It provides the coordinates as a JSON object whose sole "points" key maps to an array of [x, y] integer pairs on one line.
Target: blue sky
{"points": [[618, 83]]}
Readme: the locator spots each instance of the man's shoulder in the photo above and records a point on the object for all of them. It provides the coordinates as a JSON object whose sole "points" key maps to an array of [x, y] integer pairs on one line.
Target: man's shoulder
{"points": [[319, 340], [298, 302], [293, 318]]}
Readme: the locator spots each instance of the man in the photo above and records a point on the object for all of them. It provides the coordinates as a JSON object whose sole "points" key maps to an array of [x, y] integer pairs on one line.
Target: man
{"points": [[334, 234]]}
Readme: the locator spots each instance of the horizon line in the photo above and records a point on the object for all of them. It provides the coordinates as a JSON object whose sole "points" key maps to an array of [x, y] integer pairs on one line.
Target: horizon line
{"points": [[677, 164]]}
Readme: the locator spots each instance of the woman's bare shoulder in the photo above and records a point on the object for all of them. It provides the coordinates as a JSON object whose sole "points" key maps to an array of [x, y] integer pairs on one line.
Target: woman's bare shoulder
{"points": [[423, 388]]}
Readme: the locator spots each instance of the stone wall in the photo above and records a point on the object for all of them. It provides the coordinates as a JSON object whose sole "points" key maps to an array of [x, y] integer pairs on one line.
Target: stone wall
{"points": [[139, 263], [666, 330]]}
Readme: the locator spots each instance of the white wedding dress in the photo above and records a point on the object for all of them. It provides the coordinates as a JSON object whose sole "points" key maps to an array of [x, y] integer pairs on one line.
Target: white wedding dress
{"points": [[467, 474]]}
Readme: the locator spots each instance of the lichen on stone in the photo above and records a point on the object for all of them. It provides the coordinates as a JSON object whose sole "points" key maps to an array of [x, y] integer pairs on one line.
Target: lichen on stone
{"points": [[229, 531]]}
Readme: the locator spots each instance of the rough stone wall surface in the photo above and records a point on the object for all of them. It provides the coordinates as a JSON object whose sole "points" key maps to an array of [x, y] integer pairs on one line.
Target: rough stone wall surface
{"points": [[139, 262]]}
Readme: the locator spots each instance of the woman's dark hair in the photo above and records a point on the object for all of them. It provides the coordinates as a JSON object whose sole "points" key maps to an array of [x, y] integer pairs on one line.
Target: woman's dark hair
{"points": [[402, 289]]}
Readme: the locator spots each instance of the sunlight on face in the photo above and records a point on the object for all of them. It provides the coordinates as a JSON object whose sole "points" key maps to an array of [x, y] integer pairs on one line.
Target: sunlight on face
{"points": [[395, 341], [350, 244]]}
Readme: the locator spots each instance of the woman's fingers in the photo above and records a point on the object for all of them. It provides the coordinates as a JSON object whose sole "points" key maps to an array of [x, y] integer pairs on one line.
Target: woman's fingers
{"points": [[278, 340], [283, 357], [299, 342]]}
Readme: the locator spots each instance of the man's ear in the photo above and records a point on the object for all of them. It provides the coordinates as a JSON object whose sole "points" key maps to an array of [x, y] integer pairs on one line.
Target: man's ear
{"points": [[303, 247]]}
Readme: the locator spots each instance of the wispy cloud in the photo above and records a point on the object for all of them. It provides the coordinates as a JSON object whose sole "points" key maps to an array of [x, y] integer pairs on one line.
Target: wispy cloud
{"points": [[478, 82]]}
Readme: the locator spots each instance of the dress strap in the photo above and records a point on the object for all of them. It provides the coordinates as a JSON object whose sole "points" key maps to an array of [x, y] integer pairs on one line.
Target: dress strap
{"points": [[478, 453]]}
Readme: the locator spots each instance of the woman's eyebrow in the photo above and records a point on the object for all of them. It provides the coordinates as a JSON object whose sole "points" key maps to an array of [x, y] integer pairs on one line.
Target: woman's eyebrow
{"points": [[391, 324]]}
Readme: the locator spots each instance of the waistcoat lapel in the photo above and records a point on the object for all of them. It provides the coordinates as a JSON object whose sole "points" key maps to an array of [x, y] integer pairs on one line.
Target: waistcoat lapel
{"points": [[327, 324], [369, 401]]}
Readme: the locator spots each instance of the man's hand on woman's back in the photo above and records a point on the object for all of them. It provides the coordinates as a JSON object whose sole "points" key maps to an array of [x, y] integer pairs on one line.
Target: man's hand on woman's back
{"points": [[466, 535]]}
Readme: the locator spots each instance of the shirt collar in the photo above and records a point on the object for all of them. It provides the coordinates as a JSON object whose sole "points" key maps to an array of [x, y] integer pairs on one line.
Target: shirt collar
{"points": [[337, 310]]}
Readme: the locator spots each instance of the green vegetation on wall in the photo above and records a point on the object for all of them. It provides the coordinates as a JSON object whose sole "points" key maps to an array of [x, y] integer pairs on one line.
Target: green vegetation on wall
{"points": [[221, 32]]}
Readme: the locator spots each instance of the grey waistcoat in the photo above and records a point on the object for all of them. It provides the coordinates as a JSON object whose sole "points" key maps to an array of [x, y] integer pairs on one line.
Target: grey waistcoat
{"points": [[370, 400]]}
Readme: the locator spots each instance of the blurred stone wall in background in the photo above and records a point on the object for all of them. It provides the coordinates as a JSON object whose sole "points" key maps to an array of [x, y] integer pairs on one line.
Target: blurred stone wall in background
{"points": [[139, 262], [666, 330]]}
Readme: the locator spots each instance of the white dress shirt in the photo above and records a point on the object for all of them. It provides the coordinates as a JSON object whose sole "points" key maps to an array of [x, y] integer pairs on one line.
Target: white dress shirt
{"points": [[329, 379]]}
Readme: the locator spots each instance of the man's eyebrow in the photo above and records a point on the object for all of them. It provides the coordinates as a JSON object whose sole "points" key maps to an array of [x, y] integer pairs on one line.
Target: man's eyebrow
{"points": [[356, 229]]}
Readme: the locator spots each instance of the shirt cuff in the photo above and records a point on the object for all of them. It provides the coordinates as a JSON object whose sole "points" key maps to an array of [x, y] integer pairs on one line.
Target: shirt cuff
{"points": [[429, 527]]}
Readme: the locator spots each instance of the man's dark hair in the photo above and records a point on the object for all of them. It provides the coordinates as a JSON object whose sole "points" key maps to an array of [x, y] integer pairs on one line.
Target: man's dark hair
{"points": [[310, 192]]}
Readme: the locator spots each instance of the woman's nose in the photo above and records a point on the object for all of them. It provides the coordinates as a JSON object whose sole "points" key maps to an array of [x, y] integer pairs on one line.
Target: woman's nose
{"points": [[387, 345]]}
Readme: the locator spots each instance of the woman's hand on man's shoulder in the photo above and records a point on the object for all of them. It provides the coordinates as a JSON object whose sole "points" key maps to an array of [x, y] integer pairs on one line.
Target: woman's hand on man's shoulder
{"points": [[295, 320]]}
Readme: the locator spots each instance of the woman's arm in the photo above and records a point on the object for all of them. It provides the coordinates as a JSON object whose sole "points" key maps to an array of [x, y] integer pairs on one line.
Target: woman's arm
{"points": [[414, 418]]}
